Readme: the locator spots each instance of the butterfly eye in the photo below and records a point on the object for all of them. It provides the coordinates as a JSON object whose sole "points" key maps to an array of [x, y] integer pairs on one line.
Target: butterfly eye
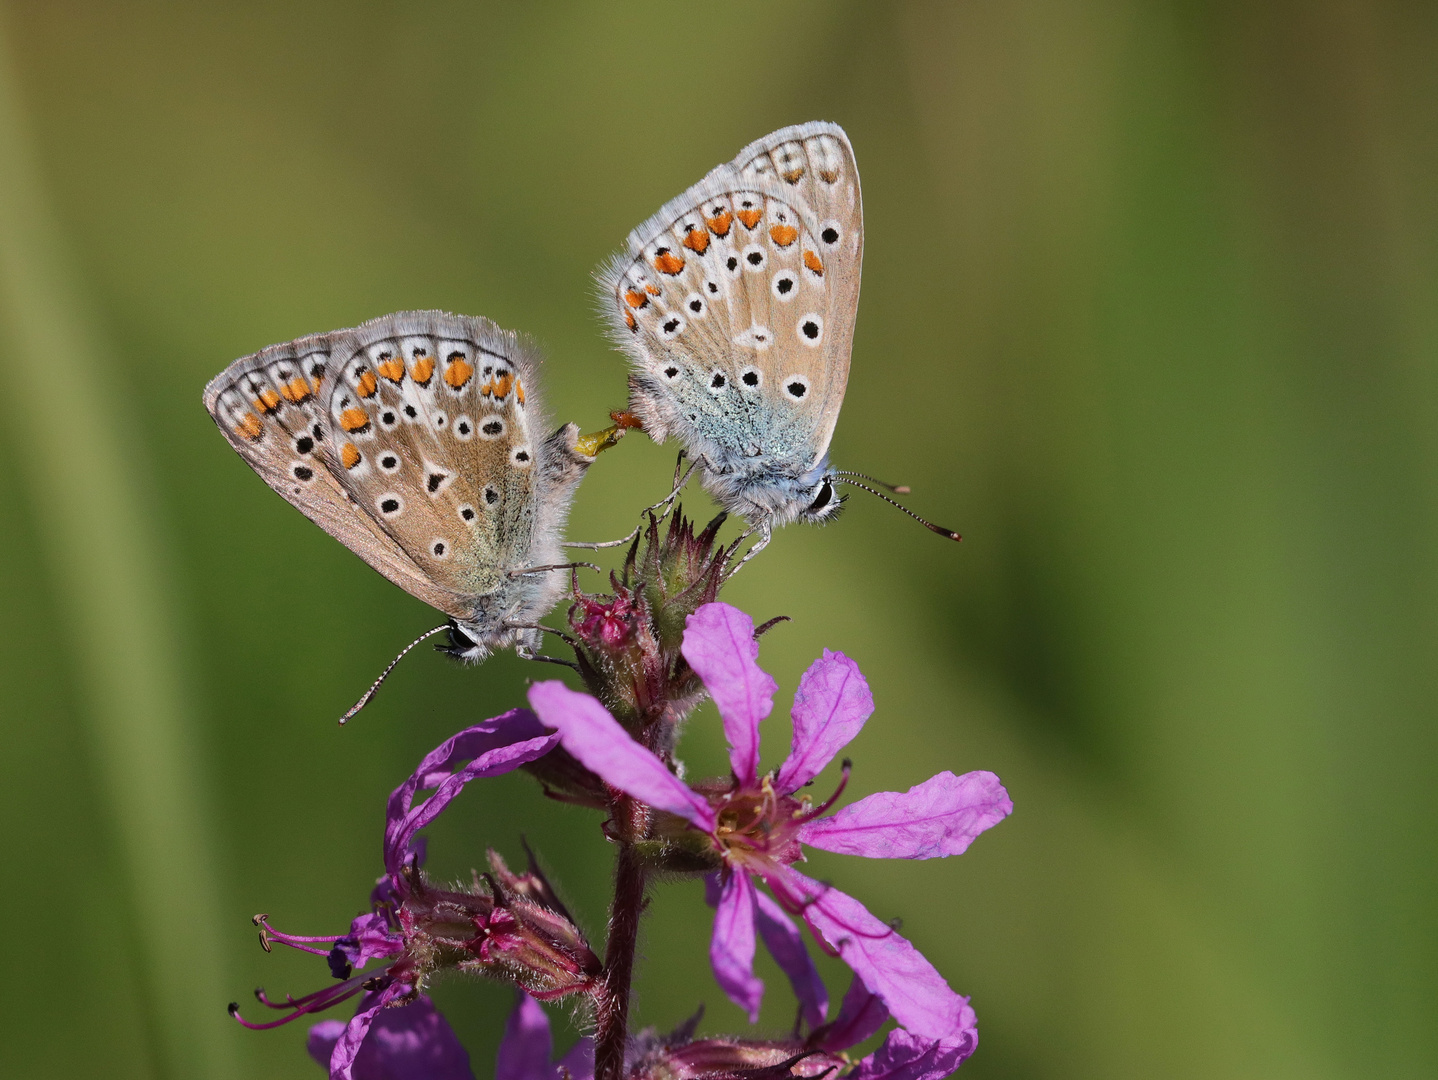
{"points": [[466, 513], [302, 472], [491, 496], [490, 427], [388, 418], [784, 285], [731, 264], [389, 462], [829, 233], [796, 387], [695, 303], [390, 504], [670, 372], [439, 549], [826, 493], [304, 444], [755, 258], [751, 377], [717, 382], [519, 458], [463, 428], [671, 327]]}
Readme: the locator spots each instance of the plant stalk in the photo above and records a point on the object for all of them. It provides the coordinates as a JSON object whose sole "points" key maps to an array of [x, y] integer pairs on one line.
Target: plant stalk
{"points": [[612, 1003]]}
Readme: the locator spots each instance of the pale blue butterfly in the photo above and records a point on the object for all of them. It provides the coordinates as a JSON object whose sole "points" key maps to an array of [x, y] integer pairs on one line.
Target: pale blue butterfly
{"points": [[736, 306], [416, 440]]}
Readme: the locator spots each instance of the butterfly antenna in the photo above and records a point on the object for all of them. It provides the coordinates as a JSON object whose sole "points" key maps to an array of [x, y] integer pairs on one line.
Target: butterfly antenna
{"points": [[880, 495], [383, 675], [897, 489]]}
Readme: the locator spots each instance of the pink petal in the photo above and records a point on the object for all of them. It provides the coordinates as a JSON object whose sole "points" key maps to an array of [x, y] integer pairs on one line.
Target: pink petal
{"points": [[939, 817], [524, 1050], [786, 944], [731, 949], [916, 995], [719, 645], [605, 748], [495, 746], [860, 1016], [904, 1056], [830, 708], [579, 1062], [346, 1062], [322, 1039]]}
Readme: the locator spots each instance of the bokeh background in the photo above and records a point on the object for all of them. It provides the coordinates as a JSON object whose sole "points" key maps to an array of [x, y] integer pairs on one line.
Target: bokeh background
{"points": [[1149, 314]]}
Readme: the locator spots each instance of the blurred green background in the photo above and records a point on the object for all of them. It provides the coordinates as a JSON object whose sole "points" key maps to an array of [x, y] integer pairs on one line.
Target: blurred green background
{"points": [[1148, 314]]}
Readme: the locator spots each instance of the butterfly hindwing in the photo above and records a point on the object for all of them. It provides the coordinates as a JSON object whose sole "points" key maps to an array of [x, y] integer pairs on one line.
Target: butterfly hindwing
{"points": [[413, 440], [736, 303], [430, 422]]}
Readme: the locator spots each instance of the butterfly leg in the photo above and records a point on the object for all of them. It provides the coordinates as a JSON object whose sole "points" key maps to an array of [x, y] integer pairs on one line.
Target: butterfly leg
{"points": [[679, 481], [602, 544], [667, 502], [525, 651], [529, 571], [766, 533]]}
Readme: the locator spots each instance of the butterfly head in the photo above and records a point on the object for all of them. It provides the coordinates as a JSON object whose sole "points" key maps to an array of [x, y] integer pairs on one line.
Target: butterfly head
{"points": [[467, 644]]}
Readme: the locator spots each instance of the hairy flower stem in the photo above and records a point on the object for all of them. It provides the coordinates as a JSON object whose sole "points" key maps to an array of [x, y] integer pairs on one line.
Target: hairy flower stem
{"points": [[612, 1012]]}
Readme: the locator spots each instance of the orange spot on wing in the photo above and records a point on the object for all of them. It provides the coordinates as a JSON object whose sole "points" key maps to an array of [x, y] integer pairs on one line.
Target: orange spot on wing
{"points": [[315, 385], [635, 299], [458, 373], [666, 262], [783, 235], [295, 390], [652, 290], [793, 175], [696, 240], [354, 420], [422, 370], [502, 386], [750, 218], [720, 222], [349, 455], [366, 384], [268, 401], [812, 262], [629, 320], [392, 369], [519, 391], [250, 426], [828, 175]]}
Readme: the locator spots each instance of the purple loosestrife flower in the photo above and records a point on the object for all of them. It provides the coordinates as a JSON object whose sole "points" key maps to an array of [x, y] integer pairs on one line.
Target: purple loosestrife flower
{"points": [[409, 1042], [414, 1042], [754, 825], [902, 1056], [517, 930]]}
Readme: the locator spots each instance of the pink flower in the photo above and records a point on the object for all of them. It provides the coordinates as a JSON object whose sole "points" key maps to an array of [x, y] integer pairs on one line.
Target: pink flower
{"points": [[414, 1042], [756, 825], [396, 1030]]}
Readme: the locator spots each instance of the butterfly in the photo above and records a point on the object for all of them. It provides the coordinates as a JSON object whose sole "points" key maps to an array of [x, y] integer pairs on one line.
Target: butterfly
{"points": [[415, 440], [736, 304]]}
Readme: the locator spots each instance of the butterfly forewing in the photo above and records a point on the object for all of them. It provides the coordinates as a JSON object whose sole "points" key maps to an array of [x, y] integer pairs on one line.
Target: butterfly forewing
{"points": [[430, 429], [736, 302], [268, 407]]}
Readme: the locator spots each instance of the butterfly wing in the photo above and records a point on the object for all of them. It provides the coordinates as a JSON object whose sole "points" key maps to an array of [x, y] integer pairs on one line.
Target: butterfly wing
{"points": [[411, 440], [433, 424], [736, 304], [267, 405]]}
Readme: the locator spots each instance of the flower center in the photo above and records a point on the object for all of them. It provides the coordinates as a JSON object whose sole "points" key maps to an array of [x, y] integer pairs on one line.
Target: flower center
{"points": [[758, 826]]}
